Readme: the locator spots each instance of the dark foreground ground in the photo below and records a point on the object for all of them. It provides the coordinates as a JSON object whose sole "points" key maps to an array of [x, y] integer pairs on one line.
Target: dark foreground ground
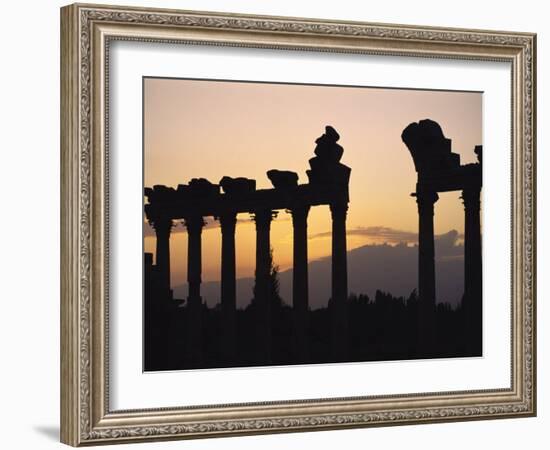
{"points": [[380, 329]]}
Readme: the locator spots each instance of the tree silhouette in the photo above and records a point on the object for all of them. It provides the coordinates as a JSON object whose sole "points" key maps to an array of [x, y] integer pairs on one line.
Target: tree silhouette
{"points": [[274, 296]]}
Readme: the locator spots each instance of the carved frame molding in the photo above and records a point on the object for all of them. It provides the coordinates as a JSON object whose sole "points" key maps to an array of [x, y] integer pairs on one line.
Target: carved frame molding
{"points": [[86, 31]]}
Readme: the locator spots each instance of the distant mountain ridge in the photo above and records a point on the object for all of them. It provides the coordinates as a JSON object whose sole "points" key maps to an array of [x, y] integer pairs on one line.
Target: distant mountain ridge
{"points": [[389, 268]]}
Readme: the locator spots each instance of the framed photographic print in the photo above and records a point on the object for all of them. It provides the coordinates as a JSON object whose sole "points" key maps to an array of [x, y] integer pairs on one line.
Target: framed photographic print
{"points": [[275, 224]]}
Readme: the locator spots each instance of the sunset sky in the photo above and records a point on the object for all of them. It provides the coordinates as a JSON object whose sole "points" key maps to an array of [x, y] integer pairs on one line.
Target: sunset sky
{"points": [[208, 129]]}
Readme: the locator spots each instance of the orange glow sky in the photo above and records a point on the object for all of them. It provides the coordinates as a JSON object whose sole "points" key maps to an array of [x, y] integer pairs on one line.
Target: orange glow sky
{"points": [[210, 129]]}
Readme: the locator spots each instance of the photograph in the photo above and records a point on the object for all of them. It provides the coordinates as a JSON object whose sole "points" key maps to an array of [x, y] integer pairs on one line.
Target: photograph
{"points": [[288, 224]]}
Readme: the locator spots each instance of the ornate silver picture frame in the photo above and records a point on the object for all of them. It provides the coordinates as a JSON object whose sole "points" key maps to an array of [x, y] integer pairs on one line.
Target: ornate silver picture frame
{"points": [[87, 413]]}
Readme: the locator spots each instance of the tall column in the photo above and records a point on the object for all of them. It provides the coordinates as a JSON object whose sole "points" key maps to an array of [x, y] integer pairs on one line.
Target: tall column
{"points": [[300, 283], [262, 297], [228, 285], [426, 271], [339, 282], [162, 230], [194, 226], [472, 304]]}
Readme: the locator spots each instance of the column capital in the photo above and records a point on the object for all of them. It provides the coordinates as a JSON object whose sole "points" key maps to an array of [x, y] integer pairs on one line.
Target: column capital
{"points": [[162, 226], [263, 217], [299, 213], [338, 210], [194, 224], [471, 197], [426, 197], [228, 221]]}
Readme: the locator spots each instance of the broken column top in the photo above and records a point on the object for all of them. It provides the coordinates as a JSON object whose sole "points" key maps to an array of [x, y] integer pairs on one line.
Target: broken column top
{"points": [[327, 148], [282, 179], [326, 168], [237, 186], [430, 149]]}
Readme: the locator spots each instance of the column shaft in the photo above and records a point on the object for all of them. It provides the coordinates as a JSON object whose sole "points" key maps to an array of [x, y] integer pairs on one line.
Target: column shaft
{"points": [[228, 285], [194, 226], [426, 271], [472, 303], [300, 293], [262, 297], [162, 230], [339, 282]]}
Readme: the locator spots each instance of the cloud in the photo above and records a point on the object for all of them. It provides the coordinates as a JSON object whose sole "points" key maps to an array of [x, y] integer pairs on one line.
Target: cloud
{"points": [[392, 236], [449, 244]]}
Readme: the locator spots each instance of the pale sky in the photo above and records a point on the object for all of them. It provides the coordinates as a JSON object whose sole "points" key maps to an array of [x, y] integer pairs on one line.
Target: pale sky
{"points": [[208, 129]]}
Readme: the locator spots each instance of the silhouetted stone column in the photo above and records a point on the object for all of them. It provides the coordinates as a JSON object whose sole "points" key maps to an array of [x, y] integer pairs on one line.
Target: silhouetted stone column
{"points": [[262, 289], [426, 270], [162, 230], [300, 283], [228, 284], [339, 281], [472, 269], [194, 226]]}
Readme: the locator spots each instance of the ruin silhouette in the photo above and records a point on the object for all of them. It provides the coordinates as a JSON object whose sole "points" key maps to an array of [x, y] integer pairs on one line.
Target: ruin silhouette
{"points": [[439, 170], [188, 334]]}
